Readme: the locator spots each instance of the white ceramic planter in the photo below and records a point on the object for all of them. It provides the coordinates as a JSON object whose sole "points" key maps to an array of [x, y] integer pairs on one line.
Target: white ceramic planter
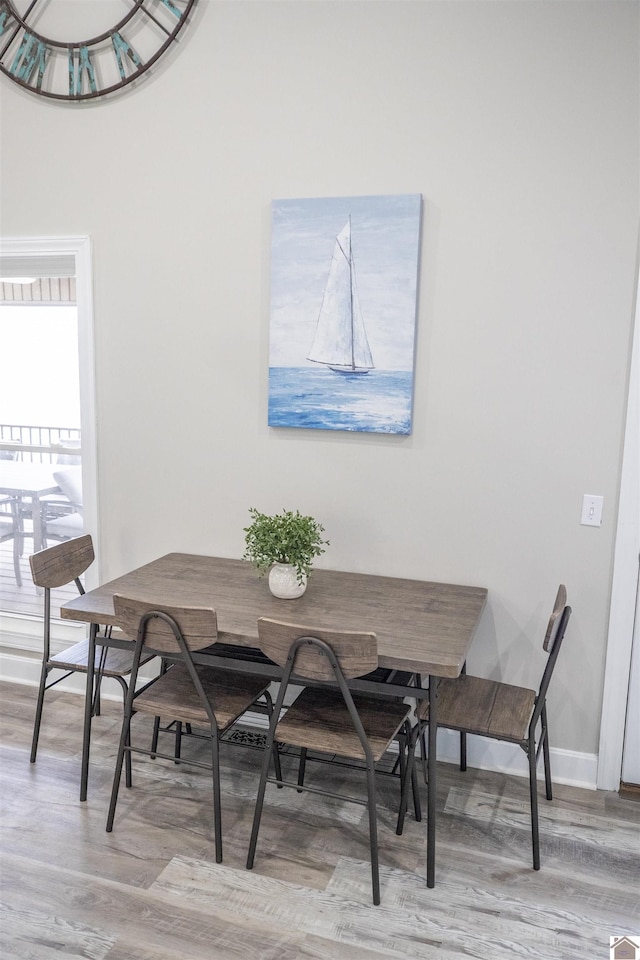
{"points": [[283, 582]]}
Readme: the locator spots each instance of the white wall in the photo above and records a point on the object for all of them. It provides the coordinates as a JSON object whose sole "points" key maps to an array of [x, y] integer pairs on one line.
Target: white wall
{"points": [[518, 122]]}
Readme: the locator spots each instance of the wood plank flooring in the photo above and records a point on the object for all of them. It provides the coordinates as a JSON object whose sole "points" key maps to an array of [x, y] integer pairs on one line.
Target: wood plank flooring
{"points": [[151, 890]]}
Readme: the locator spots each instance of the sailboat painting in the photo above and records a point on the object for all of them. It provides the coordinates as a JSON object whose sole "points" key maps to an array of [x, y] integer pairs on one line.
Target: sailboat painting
{"points": [[343, 311], [341, 341]]}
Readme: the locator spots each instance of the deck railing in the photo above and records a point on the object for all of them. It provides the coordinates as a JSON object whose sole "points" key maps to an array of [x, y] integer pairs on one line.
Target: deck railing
{"points": [[40, 444]]}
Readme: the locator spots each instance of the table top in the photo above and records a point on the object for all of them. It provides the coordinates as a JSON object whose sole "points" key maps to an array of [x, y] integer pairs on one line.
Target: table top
{"points": [[422, 627], [27, 479]]}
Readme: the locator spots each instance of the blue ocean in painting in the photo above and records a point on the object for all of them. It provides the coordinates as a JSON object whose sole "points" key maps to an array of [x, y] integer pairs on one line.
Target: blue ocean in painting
{"points": [[377, 402]]}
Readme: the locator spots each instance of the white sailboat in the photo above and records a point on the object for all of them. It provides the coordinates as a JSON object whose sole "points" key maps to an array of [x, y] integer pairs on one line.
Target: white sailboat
{"points": [[340, 340]]}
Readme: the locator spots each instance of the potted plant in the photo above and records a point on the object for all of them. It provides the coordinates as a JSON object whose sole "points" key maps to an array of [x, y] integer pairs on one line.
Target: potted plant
{"points": [[284, 545]]}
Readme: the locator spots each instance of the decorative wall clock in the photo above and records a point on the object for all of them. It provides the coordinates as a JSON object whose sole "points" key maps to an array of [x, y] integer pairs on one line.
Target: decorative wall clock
{"points": [[42, 47]]}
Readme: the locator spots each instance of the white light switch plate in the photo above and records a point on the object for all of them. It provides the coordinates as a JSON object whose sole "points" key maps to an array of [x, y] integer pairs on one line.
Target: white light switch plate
{"points": [[592, 510]]}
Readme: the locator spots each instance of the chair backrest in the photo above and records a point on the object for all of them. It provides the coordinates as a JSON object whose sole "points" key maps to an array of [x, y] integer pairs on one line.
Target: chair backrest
{"points": [[69, 480], [555, 619], [9, 519], [552, 642], [162, 625], [59, 565], [356, 653], [7, 504]]}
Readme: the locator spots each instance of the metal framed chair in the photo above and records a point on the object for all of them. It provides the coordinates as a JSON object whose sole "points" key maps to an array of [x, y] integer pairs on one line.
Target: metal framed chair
{"points": [[11, 529], [217, 649], [58, 566], [184, 693], [502, 711], [330, 720]]}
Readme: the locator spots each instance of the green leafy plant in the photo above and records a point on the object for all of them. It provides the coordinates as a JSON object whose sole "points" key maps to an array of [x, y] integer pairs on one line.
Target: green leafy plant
{"points": [[285, 537]]}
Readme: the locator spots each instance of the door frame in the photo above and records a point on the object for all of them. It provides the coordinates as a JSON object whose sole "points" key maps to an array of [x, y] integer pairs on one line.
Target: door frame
{"points": [[624, 586]]}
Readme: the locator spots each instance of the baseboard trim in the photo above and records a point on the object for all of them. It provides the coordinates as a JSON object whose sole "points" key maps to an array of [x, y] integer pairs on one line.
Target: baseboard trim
{"points": [[568, 766], [629, 791]]}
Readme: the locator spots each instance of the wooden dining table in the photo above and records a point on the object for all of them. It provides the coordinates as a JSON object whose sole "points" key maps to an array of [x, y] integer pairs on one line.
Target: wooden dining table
{"points": [[423, 628]]}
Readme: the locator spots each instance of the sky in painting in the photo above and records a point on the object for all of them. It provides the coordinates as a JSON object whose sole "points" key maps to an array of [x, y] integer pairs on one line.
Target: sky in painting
{"points": [[385, 238]]}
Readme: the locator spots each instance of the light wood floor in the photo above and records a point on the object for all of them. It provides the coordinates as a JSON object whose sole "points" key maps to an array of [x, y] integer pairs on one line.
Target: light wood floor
{"points": [[151, 890]]}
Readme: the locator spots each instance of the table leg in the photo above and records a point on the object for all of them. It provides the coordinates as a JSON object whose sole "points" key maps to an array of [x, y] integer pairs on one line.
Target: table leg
{"points": [[431, 784], [36, 519], [88, 709]]}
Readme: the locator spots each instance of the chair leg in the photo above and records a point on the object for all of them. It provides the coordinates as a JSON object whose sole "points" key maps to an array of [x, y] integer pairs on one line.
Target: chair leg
{"points": [[276, 752], [38, 717], [463, 750], [401, 762], [424, 755], [156, 722], [422, 735], [96, 699], [264, 773], [411, 772], [125, 740], [128, 782], [402, 812], [178, 736], [533, 793], [302, 767], [417, 809], [217, 812], [276, 764], [154, 737], [463, 736], [127, 757], [373, 832], [406, 756], [410, 777], [546, 753]]}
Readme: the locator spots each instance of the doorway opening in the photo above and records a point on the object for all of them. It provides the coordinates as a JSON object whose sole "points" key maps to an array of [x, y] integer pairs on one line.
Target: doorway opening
{"points": [[47, 434]]}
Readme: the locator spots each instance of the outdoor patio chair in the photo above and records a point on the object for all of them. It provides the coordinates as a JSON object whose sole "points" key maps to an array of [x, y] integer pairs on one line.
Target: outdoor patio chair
{"points": [[11, 529], [62, 516]]}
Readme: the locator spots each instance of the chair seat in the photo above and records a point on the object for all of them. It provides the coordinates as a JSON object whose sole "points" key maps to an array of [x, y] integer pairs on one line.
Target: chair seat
{"points": [[319, 720], [174, 695], [485, 707], [70, 525], [118, 662]]}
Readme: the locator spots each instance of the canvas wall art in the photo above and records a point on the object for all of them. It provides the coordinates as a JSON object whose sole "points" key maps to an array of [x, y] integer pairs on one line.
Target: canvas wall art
{"points": [[344, 278]]}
